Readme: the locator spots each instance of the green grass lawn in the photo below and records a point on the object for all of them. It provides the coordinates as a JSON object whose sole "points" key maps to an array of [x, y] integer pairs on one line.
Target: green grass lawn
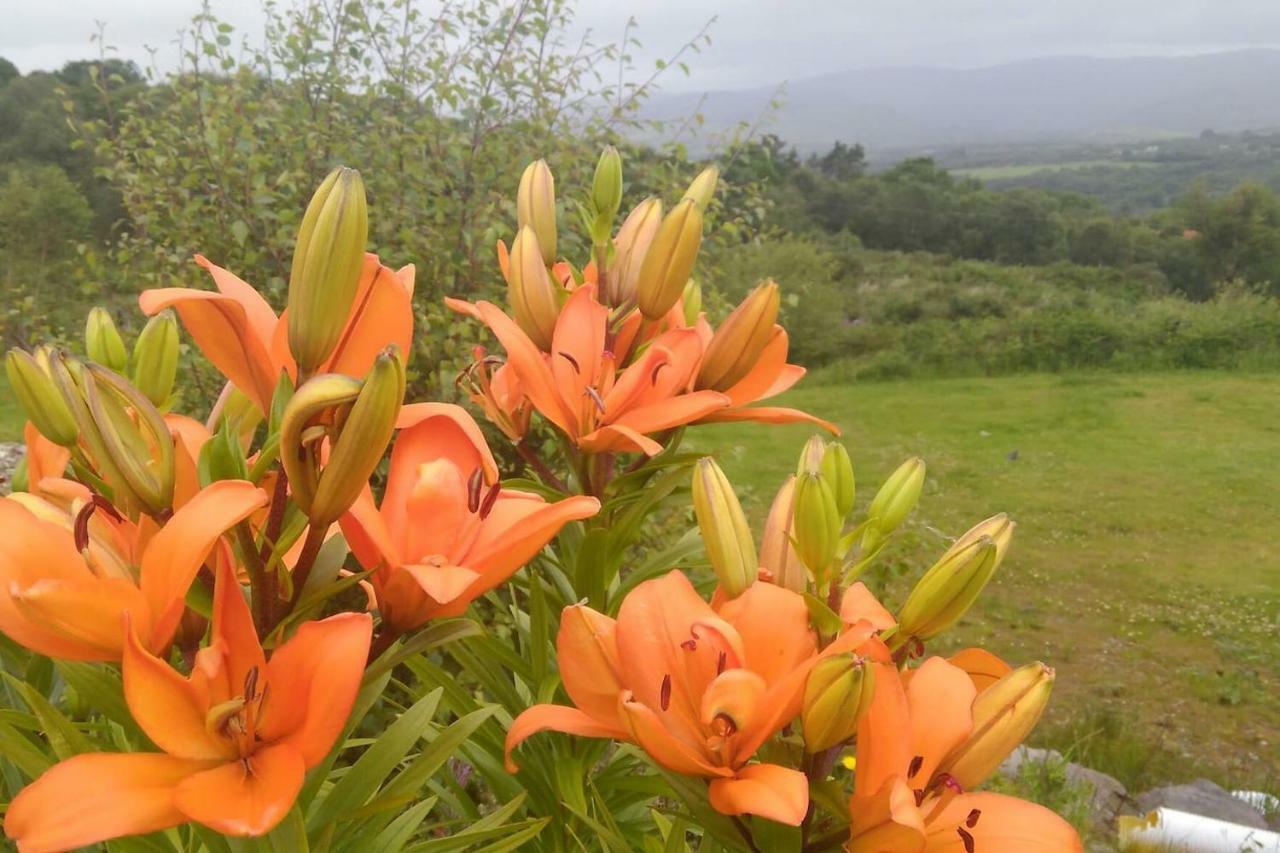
{"points": [[995, 173], [1146, 565]]}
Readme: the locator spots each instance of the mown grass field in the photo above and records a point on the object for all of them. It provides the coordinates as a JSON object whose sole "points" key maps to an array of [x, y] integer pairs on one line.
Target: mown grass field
{"points": [[995, 173], [1146, 565]]}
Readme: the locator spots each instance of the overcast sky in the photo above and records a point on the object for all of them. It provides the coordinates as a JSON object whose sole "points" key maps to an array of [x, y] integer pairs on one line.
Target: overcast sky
{"points": [[754, 42]]}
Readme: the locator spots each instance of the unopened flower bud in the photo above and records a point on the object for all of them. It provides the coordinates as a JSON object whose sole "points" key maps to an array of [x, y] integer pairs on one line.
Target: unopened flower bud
{"points": [[326, 269], [606, 192], [692, 301], [777, 554], [155, 358], [837, 694], [951, 585], [703, 187], [534, 298], [736, 346], [309, 417], [816, 528], [630, 247], [837, 467], [1003, 715], [536, 207], [897, 497], [725, 532], [40, 398], [811, 454], [361, 441], [669, 261], [102, 340], [133, 437]]}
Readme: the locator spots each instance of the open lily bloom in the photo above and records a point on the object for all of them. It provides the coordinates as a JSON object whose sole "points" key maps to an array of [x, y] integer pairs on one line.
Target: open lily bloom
{"points": [[768, 377], [238, 735], [902, 802], [239, 332], [446, 531], [581, 388], [699, 689], [66, 578]]}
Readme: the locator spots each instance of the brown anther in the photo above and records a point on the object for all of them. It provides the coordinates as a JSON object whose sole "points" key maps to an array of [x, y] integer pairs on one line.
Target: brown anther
{"points": [[690, 645], [664, 695], [490, 498], [573, 362], [914, 768], [474, 483], [595, 398], [657, 368], [720, 662], [106, 506], [972, 820], [965, 838], [251, 684], [723, 725]]}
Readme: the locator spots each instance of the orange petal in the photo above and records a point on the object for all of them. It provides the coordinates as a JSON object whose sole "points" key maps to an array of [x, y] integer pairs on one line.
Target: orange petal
{"points": [[766, 790], [555, 718], [381, 315], [167, 707], [462, 306], [233, 631], [96, 796], [175, 554], [189, 436], [44, 458], [886, 820], [774, 625], [445, 584], [648, 731], [940, 697], [256, 309], [226, 336], [1004, 824], [314, 678], [367, 533], [884, 734], [672, 412], [620, 439], [769, 415], [859, 605], [530, 364], [588, 650], [247, 796], [984, 668], [578, 343], [766, 372], [87, 612]]}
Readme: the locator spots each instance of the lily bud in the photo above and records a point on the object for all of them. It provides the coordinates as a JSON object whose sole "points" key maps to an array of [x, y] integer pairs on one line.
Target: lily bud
{"points": [[817, 523], [725, 532], [362, 439], [40, 398], [1003, 715], [837, 694], [102, 340], [703, 187], [536, 207], [309, 417], [736, 346], [155, 358], [898, 496], [692, 300], [777, 554], [631, 245], [606, 192], [837, 467], [950, 586], [534, 298], [326, 266], [811, 454], [133, 436], [669, 261]]}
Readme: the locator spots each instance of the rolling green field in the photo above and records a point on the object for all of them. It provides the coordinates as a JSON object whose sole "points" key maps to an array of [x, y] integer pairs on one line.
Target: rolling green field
{"points": [[995, 173], [1146, 565]]}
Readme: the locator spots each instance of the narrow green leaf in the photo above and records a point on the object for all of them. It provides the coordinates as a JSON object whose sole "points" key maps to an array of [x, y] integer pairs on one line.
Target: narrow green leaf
{"points": [[397, 834], [63, 736], [436, 634]]}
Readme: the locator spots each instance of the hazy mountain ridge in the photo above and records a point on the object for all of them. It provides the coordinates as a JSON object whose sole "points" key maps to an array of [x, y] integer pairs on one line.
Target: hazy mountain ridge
{"points": [[1032, 100]]}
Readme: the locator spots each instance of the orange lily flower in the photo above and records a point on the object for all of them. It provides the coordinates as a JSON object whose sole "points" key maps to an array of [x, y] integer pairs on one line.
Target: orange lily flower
{"points": [[769, 377], [581, 387], [44, 458], [65, 577], [901, 803], [498, 394], [446, 531], [238, 735], [239, 332], [698, 688]]}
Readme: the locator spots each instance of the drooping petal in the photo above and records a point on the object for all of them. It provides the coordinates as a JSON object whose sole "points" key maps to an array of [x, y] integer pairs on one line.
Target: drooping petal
{"points": [[244, 797], [261, 317], [768, 415], [996, 823], [86, 612], [766, 790], [984, 668], [619, 439], [672, 412], [555, 718], [859, 604], [587, 647], [175, 554], [940, 698], [97, 796], [314, 677], [886, 819], [381, 315], [167, 707]]}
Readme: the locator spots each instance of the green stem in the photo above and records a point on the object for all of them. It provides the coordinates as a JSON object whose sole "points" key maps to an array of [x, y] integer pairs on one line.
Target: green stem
{"points": [[307, 560], [262, 606]]}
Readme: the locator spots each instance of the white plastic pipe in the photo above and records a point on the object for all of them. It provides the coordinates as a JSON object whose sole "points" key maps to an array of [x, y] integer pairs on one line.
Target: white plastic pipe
{"points": [[1168, 830]]}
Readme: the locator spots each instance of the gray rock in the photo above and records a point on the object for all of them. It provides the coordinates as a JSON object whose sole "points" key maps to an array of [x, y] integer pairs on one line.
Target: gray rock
{"points": [[1108, 796], [1202, 797], [10, 456]]}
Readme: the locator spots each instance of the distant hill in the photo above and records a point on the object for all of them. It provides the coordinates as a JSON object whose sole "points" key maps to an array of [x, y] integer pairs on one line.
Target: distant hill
{"points": [[1030, 101]]}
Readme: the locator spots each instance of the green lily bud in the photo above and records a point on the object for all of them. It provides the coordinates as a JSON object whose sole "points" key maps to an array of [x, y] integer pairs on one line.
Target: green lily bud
{"points": [[725, 532], [736, 346], [669, 261], [606, 192], [817, 523], [155, 358], [40, 397], [703, 187], [630, 246], [897, 497], [102, 340], [1003, 715], [837, 468], [951, 585], [536, 207], [309, 417], [837, 694], [534, 297], [326, 267], [811, 454], [692, 302], [134, 436]]}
